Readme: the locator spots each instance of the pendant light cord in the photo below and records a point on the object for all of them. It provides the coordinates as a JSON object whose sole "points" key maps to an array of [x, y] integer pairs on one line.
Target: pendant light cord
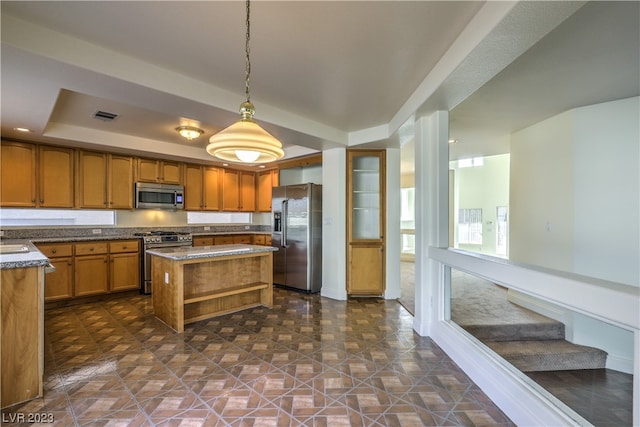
{"points": [[247, 50]]}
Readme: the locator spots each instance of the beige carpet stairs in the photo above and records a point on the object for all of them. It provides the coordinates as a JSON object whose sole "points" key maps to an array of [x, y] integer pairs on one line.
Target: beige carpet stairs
{"points": [[527, 340]]}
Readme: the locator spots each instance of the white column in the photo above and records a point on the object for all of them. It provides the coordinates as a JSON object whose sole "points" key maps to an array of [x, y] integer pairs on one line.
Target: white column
{"points": [[432, 206], [334, 235], [392, 226]]}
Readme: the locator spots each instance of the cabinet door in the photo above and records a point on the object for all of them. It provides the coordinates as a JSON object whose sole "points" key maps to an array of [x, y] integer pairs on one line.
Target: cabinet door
{"points": [[124, 271], [56, 177], [365, 272], [17, 174], [91, 275], [247, 191], [170, 172], [266, 181], [193, 186], [120, 182], [230, 190], [212, 189], [148, 170], [365, 222], [92, 180], [59, 284], [223, 240]]}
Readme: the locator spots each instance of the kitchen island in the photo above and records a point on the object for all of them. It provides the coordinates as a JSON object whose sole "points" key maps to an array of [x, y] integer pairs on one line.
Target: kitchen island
{"points": [[22, 269], [195, 283]]}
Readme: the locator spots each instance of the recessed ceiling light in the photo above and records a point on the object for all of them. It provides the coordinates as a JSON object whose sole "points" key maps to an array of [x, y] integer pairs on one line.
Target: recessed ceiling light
{"points": [[22, 129]]}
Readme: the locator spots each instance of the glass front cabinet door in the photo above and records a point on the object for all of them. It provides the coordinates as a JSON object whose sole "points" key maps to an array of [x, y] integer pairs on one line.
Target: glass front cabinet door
{"points": [[365, 222]]}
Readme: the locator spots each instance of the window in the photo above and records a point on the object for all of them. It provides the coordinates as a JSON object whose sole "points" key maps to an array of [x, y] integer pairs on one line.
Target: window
{"points": [[470, 226], [469, 163], [31, 217], [219, 218], [501, 230]]}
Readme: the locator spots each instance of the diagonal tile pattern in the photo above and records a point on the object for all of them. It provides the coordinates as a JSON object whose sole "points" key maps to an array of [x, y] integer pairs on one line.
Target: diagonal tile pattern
{"points": [[309, 361]]}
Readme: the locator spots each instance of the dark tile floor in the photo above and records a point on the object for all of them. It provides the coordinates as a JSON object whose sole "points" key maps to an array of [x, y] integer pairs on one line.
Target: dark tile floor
{"points": [[309, 361]]}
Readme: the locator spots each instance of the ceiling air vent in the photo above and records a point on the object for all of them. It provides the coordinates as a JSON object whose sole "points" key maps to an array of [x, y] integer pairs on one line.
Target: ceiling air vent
{"points": [[104, 116]]}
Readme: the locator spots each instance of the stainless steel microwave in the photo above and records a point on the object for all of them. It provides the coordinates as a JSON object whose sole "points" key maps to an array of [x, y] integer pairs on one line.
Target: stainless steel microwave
{"points": [[159, 196]]}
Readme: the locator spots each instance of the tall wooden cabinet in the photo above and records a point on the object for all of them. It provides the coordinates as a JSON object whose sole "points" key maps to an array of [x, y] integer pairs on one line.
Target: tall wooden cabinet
{"points": [[366, 201]]}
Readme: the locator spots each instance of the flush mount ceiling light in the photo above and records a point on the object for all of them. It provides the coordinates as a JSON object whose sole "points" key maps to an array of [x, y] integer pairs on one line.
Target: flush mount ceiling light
{"points": [[189, 132], [245, 141]]}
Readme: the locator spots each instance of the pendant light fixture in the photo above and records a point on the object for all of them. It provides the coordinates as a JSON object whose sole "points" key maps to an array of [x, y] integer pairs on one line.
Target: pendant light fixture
{"points": [[245, 141]]}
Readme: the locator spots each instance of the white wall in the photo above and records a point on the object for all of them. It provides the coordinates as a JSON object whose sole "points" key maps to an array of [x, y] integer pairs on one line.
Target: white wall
{"points": [[541, 194], [485, 187], [575, 192], [606, 191], [334, 234]]}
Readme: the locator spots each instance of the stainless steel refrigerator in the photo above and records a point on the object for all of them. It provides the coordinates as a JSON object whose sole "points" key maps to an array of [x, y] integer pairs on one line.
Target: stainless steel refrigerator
{"points": [[297, 233]]}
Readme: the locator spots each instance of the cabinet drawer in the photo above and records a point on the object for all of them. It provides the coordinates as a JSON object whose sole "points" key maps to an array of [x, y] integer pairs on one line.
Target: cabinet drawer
{"points": [[259, 239], [243, 238], [124, 246], [56, 250], [202, 241], [223, 240], [91, 248]]}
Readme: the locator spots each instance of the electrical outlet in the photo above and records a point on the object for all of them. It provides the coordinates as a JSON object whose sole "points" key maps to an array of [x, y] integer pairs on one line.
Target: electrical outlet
{"points": [[1, 233], [207, 228], [247, 227], [96, 231], [166, 278]]}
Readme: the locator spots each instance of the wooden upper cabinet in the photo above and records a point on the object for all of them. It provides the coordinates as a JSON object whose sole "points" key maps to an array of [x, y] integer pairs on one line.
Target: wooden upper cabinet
{"points": [[159, 171], [230, 190], [56, 179], [17, 174], [266, 180], [92, 180], [193, 185], [202, 188], [120, 180], [212, 191], [247, 191], [104, 181], [238, 191]]}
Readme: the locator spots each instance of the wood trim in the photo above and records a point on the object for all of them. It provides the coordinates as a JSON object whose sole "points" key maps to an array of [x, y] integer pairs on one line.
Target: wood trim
{"points": [[312, 159]]}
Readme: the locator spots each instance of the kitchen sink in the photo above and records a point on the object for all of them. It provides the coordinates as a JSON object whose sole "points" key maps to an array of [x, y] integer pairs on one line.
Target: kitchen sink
{"points": [[13, 249]]}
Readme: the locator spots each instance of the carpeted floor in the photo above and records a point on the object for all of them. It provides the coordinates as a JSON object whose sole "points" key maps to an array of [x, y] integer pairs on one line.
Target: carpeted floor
{"points": [[407, 286]]}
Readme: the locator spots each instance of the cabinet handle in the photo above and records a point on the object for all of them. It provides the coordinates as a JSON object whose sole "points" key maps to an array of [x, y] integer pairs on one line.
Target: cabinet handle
{"points": [[90, 249], [53, 251], [41, 200], [69, 263]]}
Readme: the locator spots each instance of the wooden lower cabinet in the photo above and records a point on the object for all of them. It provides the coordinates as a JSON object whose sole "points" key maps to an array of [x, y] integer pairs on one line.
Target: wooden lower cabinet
{"points": [[124, 265], [228, 239], [92, 275], [93, 268], [59, 283], [21, 335], [365, 273]]}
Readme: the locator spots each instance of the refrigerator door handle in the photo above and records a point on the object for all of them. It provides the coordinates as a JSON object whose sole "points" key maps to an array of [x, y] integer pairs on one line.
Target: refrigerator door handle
{"points": [[285, 213]]}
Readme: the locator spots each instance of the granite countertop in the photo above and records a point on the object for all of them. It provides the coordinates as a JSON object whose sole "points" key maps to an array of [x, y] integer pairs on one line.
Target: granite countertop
{"points": [[31, 257], [186, 253]]}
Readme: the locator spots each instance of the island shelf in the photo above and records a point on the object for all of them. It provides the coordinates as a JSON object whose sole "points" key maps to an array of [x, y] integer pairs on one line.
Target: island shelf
{"points": [[192, 284]]}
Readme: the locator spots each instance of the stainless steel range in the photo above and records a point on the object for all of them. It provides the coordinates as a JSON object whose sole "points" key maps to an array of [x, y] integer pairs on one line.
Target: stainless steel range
{"points": [[159, 239]]}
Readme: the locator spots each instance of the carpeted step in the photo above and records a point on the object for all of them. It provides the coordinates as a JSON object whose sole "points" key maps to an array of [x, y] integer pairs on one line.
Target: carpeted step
{"points": [[547, 330], [546, 355]]}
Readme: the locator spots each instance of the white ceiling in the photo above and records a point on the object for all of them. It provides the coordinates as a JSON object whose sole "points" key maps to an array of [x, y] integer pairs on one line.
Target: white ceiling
{"points": [[324, 73]]}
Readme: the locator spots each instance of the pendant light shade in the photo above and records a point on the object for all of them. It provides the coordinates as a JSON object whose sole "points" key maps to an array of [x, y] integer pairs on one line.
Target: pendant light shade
{"points": [[245, 141]]}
